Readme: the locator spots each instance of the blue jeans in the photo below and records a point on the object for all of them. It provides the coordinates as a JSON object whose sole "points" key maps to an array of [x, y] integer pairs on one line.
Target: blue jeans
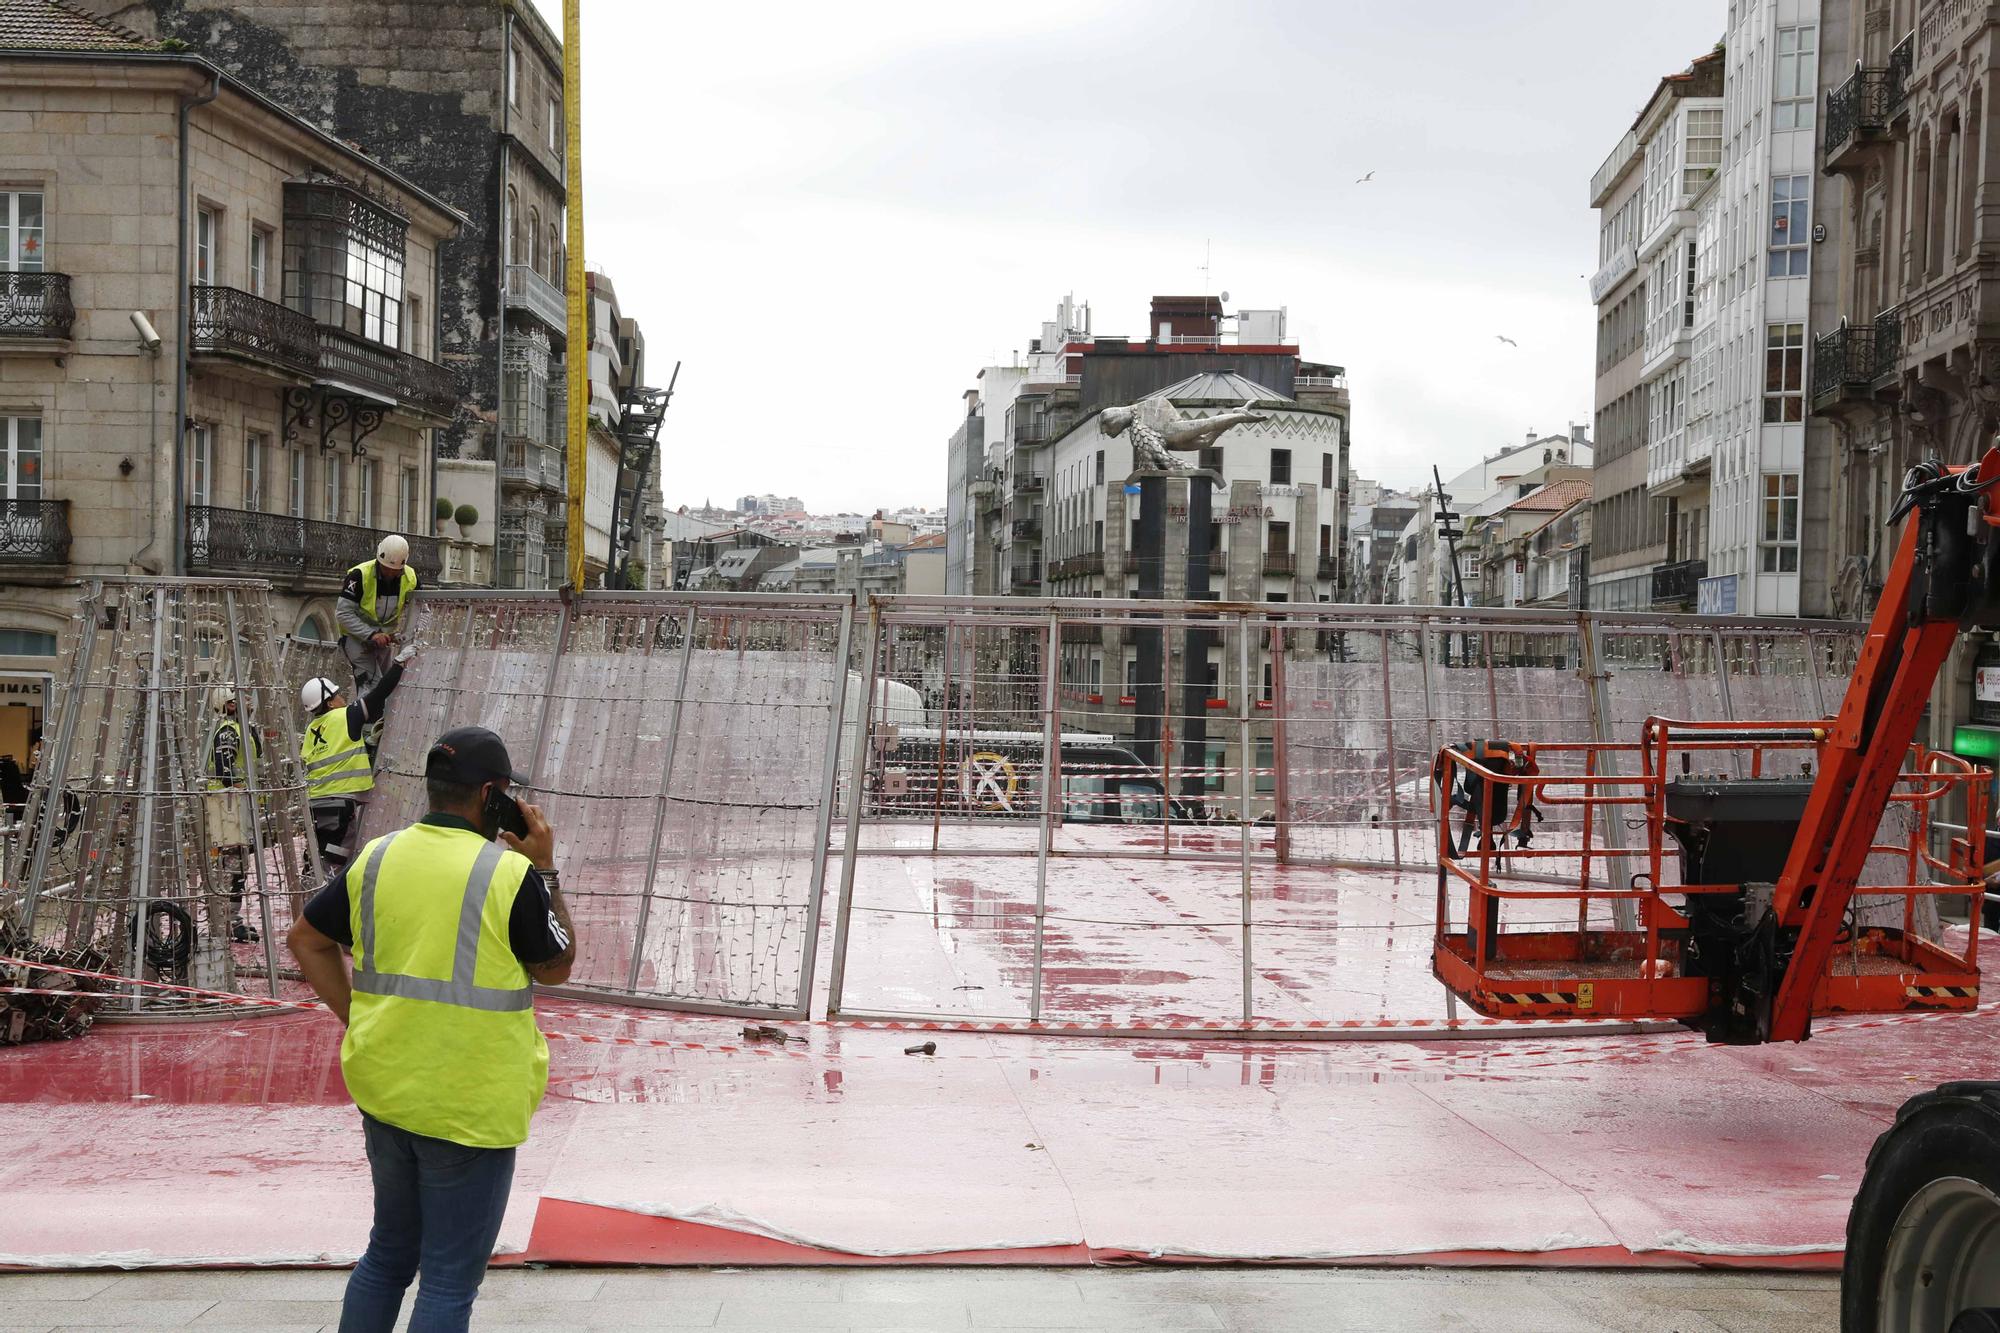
{"points": [[438, 1207]]}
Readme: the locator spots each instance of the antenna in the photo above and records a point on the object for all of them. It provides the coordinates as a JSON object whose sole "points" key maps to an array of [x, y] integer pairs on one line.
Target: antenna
{"points": [[1206, 250]]}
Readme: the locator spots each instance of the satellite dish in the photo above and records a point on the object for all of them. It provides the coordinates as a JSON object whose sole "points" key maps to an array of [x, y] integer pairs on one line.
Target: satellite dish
{"points": [[1225, 296]]}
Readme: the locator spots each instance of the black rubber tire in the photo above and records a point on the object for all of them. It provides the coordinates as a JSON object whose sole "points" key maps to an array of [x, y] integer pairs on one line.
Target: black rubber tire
{"points": [[1951, 1131]]}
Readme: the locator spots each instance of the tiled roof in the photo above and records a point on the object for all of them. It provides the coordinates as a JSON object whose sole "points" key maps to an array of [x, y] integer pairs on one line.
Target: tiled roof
{"points": [[53, 25], [929, 541], [1555, 497], [1220, 385]]}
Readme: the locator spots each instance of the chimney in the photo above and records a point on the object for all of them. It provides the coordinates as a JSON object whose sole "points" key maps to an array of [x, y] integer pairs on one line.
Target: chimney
{"points": [[1576, 435]]}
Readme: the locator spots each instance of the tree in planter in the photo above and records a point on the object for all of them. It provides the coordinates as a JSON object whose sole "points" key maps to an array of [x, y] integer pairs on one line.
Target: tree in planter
{"points": [[465, 516], [441, 511]]}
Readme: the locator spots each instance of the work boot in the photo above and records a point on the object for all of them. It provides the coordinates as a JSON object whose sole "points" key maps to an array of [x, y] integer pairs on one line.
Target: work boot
{"points": [[241, 932]]}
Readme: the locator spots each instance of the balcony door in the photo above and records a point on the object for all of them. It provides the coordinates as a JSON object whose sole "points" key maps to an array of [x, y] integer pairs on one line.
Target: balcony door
{"points": [[20, 459], [21, 231]]}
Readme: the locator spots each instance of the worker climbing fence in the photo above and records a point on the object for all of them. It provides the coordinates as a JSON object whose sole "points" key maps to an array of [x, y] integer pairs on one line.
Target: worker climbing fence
{"points": [[682, 747], [165, 828]]}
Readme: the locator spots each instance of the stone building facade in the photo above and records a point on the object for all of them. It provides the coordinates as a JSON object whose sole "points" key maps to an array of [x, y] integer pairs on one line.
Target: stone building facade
{"points": [[464, 97], [280, 305]]}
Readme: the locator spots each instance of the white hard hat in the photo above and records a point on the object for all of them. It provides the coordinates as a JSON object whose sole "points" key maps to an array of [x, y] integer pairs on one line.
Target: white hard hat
{"points": [[315, 693], [221, 697], [393, 552]]}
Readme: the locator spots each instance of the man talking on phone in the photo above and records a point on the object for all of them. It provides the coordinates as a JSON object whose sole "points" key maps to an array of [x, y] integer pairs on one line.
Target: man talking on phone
{"points": [[448, 930]]}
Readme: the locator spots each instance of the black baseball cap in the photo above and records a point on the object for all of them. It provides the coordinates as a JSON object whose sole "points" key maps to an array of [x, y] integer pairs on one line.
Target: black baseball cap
{"points": [[471, 755]]}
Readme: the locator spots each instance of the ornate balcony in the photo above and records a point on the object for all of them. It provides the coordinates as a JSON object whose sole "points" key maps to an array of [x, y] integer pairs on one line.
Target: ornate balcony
{"points": [[530, 292], [1855, 364], [291, 552], [1280, 562], [1078, 566], [1027, 529], [223, 321], [1675, 586], [34, 532], [35, 305], [1329, 567], [1861, 110], [527, 462], [1025, 577], [420, 386]]}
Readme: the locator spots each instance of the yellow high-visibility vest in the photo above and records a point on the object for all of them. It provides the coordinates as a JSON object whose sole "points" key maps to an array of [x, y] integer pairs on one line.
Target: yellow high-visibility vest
{"points": [[371, 592], [336, 760], [441, 1037]]}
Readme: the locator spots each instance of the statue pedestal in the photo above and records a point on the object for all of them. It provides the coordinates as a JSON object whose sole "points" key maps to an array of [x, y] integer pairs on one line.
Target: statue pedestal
{"points": [[1173, 558]]}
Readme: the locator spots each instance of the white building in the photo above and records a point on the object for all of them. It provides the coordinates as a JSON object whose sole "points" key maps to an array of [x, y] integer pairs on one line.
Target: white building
{"points": [[1763, 243], [1420, 574]]}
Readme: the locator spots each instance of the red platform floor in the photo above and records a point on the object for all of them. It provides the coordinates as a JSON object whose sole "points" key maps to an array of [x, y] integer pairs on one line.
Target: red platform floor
{"points": [[232, 1141]]}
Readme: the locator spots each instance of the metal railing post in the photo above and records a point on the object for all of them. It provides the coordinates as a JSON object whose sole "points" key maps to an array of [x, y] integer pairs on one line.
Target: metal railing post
{"points": [[856, 778], [142, 882], [1051, 741], [672, 740], [252, 770], [1248, 748], [57, 761], [823, 825]]}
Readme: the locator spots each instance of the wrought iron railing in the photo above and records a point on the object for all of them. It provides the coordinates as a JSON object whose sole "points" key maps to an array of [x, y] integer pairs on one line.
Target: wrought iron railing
{"points": [[530, 291], [1678, 582], [34, 532], [225, 320], [1027, 529], [1329, 567], [1026, 576], [1855, 358], [1280, 562], [35, 305], [1868, 100], [531, 463], [289, 550], [420, 385], [1032, 484], [1077, 566]]}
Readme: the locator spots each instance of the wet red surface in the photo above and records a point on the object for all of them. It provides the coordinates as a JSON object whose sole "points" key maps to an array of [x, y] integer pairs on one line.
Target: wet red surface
{"points": [[669, 1138]]}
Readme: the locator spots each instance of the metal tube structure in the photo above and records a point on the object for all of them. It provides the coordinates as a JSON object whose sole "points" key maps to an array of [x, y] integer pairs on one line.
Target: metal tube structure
{"points": [[59, 755], [823, 825], [672, 742], [1051, 743], [253, 773], [142, 880], [856, 779]]}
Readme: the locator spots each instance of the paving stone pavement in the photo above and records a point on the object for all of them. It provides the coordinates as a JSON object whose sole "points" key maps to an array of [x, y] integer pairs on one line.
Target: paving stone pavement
{"points": [[1236, 1300]]}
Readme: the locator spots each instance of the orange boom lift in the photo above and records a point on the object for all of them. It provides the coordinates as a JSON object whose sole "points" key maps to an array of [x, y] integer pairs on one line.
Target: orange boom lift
{"points": [[1748, 932]]}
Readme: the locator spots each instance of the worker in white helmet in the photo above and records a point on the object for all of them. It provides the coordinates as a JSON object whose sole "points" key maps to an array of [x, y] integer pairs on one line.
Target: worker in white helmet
{"points": [[228, 753], [372, 608], [339, 762]]}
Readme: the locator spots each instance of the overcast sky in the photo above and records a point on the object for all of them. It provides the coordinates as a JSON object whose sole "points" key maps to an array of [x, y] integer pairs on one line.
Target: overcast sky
{"points": [[834, 215]]}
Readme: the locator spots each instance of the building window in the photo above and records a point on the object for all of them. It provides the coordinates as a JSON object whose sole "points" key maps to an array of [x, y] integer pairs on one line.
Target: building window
{"points": [[207, 225], [1795, 79], [21, 231], [511, 226], [535, 239], [1267, 763], [514, 76], [253, 472], [260, 262], [1100, 468], [1779, 546], [1281, 467], [556, 263], [555, 126], [406, 508], [1704, 150], [200, 463], [330, 489], [1790, 229], [344, 260], [295, 484], [20, 458], [1280, 538], [1784, 372], [371, 485], [1326, 472], [1210, 459]]}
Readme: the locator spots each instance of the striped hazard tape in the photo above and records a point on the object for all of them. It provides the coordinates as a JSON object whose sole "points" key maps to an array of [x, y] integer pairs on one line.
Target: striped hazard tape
{"points": [[1942, 992]]}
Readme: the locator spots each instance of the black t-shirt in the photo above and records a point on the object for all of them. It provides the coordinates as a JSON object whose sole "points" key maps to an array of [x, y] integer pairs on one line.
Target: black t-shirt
{"points": [[532, 929]]}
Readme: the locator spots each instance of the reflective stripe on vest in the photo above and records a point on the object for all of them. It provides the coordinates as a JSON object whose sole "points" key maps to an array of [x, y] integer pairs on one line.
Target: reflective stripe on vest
{"points": [[460, 989], [336, 760], [371, 593]]}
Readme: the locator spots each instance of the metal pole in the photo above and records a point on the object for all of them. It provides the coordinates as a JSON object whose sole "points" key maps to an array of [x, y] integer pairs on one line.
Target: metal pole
{"points": [[1247, 748], [660, 805], [252, 769], [58, 756], [142, 881], [577, 355], [823, 826], [536, 758], [850, 850], [1050, 749], [1624, 913], [1280, 750]]}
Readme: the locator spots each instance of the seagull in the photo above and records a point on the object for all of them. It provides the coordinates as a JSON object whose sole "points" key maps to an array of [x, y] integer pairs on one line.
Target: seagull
{"points": [[1365, 179], [1505, 339]]}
